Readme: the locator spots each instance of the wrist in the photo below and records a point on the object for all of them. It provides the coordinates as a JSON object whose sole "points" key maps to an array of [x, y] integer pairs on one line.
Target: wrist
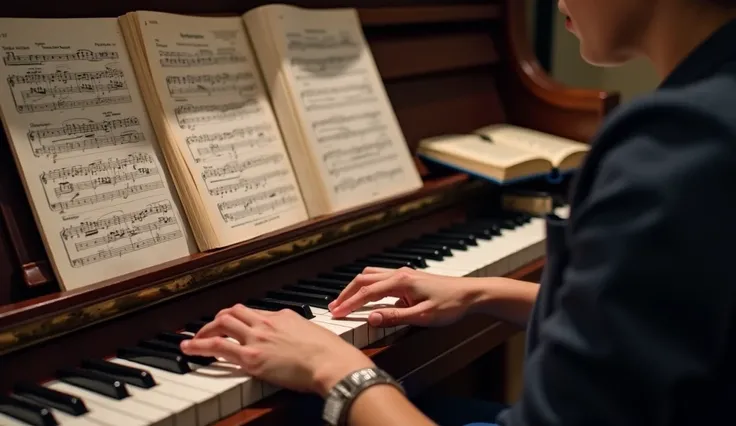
{"points": [[495, 295], [328, 374]]}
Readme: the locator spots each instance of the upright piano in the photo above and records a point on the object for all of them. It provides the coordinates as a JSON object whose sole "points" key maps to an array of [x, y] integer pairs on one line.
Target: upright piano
{"points": [[449, 66]]}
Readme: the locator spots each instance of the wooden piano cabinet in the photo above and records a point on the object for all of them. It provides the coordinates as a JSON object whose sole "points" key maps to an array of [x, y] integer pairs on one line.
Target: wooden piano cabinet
{"points": [[449, 66]]}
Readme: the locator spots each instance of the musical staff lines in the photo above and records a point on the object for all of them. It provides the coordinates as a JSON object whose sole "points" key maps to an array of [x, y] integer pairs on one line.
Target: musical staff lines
{"points": [[268, 201], [210, 84], [201, 58], [190, 116], [68, 188], [64, 90], [11, 59], [350, 184], [81, 135], [120, 233]]}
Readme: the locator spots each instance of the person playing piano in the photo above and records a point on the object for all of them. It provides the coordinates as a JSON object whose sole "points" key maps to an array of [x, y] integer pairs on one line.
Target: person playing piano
{"points": [[634, 322]]}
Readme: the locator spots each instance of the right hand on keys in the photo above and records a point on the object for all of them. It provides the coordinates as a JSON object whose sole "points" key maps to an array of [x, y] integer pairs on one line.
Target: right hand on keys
{"points": [[424, 299]]}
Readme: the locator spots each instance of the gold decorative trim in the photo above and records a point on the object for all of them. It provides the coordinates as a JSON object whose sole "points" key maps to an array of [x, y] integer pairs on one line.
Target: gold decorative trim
{"points": [[55, 325]]}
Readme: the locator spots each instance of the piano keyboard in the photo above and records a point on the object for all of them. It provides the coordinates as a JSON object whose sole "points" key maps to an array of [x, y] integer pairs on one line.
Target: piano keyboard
{"points": [[153, 383]]}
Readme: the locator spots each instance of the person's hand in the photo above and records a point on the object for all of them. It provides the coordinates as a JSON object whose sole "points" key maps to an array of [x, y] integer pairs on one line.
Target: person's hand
{"points": [[281, 347], [424, 299]]}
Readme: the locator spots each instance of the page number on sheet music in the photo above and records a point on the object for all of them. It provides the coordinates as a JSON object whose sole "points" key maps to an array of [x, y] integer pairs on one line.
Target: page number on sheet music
{"points": [[3, 35]]}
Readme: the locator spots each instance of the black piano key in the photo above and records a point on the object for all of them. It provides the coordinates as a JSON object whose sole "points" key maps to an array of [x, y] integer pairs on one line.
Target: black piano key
{"points": [[313, 289], [453, 243], [467, 238], [26, 411], [129, 375], [168, 336], [489, 230], [385, 263], [502, 223], [518, 218], [351, 268], [444, 249], [417, 260], [94, 381], [44, 396], [174, 348], [427, 253], [312, 299], [195, 326], [326, 283], [159, 359], [347, 276], [268, 304], [479, 232]]}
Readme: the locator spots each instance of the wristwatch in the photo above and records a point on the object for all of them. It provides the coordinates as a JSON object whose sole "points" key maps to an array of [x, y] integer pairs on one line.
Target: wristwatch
{"points": [[342, 395]]}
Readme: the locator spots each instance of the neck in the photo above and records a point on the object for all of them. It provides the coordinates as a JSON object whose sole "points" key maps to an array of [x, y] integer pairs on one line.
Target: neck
{"points": [[677, 30]]}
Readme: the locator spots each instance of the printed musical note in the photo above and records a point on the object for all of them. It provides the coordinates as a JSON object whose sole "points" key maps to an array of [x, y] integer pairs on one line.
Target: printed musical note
{"points": [[190, 116], [89, 157], [11, 59], [77, 136], [120, 233], [349, 184], [63, 90], [201, 58], [209, 84], [268, 201]]}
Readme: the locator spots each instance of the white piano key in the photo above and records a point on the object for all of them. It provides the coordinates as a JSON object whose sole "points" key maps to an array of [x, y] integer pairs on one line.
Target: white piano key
{"points": [[184, 412], [10, 421], [207, 400], [64, 419], [99, 412], [251, 389], [357, 331], [153, 415], [345, 332], [231, 380]]}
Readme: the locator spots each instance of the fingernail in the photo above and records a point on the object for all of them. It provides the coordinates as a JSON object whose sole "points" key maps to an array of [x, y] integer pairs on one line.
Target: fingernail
{"points": [[331, 305], [375, 319]]}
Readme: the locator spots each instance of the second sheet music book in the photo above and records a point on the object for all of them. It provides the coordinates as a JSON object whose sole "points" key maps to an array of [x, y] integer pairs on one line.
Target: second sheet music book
{"points": [[150, 137]]}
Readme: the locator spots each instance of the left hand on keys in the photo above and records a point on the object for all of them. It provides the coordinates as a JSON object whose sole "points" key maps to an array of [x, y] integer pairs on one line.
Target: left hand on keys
{"points": [[282, 348]]}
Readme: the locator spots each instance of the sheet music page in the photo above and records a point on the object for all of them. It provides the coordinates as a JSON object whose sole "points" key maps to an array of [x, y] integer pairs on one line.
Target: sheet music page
{"points": [[89, 158], [219, 113], [344, 106]]}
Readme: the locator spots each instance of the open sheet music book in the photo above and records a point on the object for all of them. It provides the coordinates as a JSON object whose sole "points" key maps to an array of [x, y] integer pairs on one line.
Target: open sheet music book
{"points": [[146, 138], [505, 153]]}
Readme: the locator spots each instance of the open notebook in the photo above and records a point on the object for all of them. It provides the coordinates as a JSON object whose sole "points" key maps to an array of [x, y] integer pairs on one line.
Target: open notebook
{"points": [[504, 153]]}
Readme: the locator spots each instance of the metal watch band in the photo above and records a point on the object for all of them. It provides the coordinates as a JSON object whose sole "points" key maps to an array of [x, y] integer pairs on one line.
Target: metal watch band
{"points": [[342, 395]]}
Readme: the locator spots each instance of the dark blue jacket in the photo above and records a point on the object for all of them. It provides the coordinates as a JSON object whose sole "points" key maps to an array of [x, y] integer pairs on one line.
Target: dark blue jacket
{"points": [[635, 323]]}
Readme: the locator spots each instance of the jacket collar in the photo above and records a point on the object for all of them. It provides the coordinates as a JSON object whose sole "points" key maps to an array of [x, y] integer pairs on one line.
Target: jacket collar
{"points": [[712, 53]]}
